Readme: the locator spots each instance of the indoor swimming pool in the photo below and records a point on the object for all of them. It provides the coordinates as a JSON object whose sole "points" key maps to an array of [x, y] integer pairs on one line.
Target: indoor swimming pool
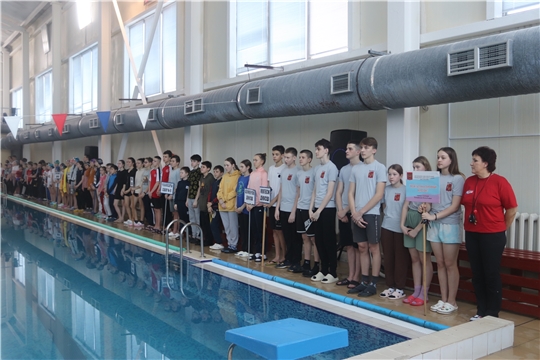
{"points": [[71, 292]]}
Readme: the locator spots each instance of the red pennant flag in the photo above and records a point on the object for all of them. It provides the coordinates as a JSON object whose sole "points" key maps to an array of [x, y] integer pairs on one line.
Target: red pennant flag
{"points": [[59, 120]]}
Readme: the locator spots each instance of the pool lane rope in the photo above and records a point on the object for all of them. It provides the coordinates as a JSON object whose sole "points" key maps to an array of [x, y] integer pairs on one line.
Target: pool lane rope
{"points": [[337, 297]]}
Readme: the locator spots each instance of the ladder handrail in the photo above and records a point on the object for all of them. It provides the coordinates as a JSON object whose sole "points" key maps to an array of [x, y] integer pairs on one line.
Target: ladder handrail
{"points": [[184, 228]]}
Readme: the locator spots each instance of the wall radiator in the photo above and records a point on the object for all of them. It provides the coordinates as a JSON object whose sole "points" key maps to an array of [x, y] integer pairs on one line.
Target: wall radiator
{"points": [[524, 233]]}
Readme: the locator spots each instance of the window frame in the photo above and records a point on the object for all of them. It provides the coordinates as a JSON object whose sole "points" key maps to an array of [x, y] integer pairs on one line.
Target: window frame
{"points": [[128, 77], [47, 112], [233, 68], [96, 63], [19, 107]]}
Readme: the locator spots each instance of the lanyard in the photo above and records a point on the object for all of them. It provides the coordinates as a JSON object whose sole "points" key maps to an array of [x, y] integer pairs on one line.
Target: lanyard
{"points": [[477, 194]]}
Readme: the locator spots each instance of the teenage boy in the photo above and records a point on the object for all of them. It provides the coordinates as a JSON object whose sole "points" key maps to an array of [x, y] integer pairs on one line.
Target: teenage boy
{"points": [[165, 177], [322, 212], [305, 183], [121, 178], [352, 154], [367, 183], [111, 190], [286, 213], [174, 177], [194, 178], [154, 194], [201, 200], [213, 208], [180, 196], [274, 182]]}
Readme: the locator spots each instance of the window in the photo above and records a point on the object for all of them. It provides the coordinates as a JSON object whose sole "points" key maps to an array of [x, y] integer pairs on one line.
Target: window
{"points": [[46, 290], [83, 80], [273, 32], [19, 268], [160, 71], [16, 106], [86, 320], [516, 6], [44, 97]]}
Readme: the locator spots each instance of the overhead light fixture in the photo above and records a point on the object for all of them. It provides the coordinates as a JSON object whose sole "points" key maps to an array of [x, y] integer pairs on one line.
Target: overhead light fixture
{"points": [[84, 13]]}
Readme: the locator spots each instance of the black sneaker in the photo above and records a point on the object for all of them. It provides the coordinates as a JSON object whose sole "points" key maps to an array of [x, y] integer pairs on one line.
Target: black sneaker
{"points": [[283, 265], [229, 251], [296, 269]]}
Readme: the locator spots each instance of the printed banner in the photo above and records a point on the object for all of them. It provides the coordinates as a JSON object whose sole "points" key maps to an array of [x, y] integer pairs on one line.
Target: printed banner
{"points": [[423, 186], [167, 188], [265, 195], [249, 196]]}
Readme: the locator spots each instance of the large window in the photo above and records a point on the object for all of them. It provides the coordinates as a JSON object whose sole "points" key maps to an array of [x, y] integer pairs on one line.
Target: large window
{"points": [[160, 71], [19, 270], [86, 324], [274, 32], [16, 106], [46, 290], [516, 6], [44, 97], [83, 80]]}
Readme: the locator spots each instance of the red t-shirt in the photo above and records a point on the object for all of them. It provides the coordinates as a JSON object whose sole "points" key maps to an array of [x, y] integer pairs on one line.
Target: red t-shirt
{"points": [[165, 173], [155, 175], [492, 195]]}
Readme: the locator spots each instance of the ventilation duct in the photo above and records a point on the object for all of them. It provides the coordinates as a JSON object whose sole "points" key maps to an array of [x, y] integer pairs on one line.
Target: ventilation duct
{"points": [[509, 64]]}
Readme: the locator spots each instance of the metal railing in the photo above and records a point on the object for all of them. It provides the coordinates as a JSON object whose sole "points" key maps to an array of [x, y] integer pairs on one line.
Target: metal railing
{"points": [[185, 228]]}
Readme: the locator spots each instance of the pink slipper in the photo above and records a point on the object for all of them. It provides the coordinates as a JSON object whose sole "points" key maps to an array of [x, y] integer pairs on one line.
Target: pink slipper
{"points": [[417, 302], [408, 299]]}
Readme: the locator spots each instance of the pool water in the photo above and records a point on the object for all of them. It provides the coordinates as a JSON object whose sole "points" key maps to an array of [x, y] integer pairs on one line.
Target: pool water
{"points": [[73, 293]]}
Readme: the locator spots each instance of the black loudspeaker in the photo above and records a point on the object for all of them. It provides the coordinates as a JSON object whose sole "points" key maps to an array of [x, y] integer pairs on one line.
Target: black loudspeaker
{"points": [[91, 152], [339, 140]]}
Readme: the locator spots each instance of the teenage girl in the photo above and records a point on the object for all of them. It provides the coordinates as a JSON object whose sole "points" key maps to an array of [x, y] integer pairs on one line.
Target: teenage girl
{"points": [[445, 231], [411, 225], [128, 191], [241, 210], [258, 178], [137, 198], [227, 202], [396, 256]]}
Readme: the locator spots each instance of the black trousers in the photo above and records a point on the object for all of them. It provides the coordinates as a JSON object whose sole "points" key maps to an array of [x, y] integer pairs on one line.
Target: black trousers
{"points": [[257, 214], [148, 211], [206, 228], [243, 224], [293, 240], [485, 253], [215, 226], [325, 240]]}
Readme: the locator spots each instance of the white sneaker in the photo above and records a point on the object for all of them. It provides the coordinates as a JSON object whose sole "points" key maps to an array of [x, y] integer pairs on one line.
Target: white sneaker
{"points": [[329, 279], [128, 223], [241, 253], [217, 246], [318, 277], [171, 234], [138, 224]]}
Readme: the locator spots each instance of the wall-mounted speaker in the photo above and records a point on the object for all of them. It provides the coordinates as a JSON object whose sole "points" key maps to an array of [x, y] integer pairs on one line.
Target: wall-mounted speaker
{"points": [[339, 140]]}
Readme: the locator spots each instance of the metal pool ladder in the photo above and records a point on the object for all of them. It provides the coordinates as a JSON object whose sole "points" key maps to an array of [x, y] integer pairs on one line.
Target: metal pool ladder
{"points": [[184, 228]]}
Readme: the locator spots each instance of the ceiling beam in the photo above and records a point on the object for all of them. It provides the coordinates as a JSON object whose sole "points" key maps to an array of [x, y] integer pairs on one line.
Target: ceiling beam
{"points": [[26, 22]]}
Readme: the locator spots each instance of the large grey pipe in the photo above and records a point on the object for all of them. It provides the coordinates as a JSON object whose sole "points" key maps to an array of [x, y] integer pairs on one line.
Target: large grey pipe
{"points": [[414, 78]]}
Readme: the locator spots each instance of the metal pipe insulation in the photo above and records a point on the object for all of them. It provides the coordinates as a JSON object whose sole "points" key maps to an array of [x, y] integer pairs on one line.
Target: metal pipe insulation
{"points": [[415, 78]]}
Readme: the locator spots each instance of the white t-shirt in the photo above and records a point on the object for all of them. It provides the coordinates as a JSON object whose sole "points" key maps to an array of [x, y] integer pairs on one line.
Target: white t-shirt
{"points": [[366, 177], [274, 179]]}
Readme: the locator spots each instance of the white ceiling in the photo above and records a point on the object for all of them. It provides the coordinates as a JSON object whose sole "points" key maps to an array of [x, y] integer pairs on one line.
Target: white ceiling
{"points": [[15, 14]]}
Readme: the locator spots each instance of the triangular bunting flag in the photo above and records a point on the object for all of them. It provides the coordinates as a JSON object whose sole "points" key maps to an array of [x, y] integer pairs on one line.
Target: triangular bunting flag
{"points": [[13, 123], [143, 115], [59, 120], [103, 117]]}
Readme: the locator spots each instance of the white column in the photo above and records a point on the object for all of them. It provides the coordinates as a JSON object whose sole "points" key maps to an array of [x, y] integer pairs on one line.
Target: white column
{"points": [[26, 87], [6, 76], [56, 43], [402, 131], [194, 80], [104, 77]]}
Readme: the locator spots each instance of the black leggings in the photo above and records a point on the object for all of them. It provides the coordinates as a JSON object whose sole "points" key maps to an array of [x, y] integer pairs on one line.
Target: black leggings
{"points": [[485, 253]]}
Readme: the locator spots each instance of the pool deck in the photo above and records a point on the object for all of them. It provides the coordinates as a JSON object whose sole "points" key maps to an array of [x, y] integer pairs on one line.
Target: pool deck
{"points": [[526, 333]]}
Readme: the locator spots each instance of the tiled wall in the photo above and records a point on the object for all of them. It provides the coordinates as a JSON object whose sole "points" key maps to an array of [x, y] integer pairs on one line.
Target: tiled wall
{"points": [[472, 340]]}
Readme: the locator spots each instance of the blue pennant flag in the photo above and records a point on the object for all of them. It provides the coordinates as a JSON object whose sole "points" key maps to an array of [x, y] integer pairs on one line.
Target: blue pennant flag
{"points": [[104, 118]]}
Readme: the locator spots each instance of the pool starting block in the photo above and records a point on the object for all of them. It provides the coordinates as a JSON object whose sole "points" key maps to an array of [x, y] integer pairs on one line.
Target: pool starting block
{"points": [[287, 339]]}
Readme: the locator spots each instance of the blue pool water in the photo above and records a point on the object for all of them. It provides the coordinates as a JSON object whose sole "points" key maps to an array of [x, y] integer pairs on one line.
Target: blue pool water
{"points": [[72, 293]]}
